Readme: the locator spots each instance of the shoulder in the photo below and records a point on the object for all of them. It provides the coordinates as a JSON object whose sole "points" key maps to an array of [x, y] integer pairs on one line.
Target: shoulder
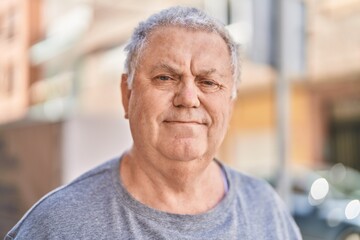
{"points": [[252, 190], [260, 204], [64, 205], [249, 186]]}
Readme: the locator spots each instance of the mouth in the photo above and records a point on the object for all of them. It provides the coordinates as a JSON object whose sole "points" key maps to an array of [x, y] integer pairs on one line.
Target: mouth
{"points": [[191, 122]]}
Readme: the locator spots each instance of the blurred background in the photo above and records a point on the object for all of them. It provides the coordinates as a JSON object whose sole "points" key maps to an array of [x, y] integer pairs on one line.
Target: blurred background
{"points": [[296, 121]]}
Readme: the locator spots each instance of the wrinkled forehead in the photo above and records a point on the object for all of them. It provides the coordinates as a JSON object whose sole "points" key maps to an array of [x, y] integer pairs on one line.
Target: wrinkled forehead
{"points": [[180, 27], [173, 34], [180, 51]]}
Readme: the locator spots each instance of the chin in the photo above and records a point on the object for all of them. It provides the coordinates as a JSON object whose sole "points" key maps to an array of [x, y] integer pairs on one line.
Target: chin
{"points": [[185, 153], [183, 149], [187, 158]]}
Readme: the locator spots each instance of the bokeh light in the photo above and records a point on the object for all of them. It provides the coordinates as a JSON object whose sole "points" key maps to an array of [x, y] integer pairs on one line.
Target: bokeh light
{"points": [[352, 209], [319, 189], [338, 172]]}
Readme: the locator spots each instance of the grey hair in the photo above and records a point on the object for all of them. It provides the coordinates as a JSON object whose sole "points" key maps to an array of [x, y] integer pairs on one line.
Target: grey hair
{"points": [[186, 17]]}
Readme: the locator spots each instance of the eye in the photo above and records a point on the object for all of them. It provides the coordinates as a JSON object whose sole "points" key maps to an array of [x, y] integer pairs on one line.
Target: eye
{"points": [[163, 78], [209, 85]]}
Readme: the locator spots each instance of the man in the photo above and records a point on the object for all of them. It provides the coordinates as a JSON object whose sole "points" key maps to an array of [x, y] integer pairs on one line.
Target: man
{"points": [[178, 93]]}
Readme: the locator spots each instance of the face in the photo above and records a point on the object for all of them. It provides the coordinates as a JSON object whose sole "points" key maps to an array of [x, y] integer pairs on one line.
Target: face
{"points": [[180, 102]]}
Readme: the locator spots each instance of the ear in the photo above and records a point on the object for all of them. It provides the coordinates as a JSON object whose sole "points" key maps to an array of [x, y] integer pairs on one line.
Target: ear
{"points": [[125, 93]]}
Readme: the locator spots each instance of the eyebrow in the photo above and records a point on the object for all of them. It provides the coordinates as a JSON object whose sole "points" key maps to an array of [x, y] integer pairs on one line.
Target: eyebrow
{"points": [[208, 72], [173, 70], [167, 67]]}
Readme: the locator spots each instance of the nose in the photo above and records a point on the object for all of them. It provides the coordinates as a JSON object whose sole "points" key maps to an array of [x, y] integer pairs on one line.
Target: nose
{"points": [[187, 96]]}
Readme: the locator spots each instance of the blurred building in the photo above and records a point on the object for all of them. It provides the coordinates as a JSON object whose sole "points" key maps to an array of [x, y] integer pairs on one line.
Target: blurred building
{"points": [[334, 76], [60, 104], [323, 47], [20, 28]]}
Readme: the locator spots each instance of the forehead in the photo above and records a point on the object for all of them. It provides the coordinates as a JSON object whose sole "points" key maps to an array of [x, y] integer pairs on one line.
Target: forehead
{"points": [[185, 46], [187, 37]]}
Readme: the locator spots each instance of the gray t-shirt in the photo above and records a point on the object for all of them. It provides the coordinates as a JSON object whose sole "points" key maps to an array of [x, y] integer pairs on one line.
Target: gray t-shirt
{"points": [[97, 206]]}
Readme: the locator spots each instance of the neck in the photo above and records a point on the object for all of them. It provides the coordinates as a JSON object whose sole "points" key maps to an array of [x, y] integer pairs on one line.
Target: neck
{"points": [[179, 187]]}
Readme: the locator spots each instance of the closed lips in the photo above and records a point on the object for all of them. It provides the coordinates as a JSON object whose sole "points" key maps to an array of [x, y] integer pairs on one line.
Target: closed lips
{"points": [[184, 122]]}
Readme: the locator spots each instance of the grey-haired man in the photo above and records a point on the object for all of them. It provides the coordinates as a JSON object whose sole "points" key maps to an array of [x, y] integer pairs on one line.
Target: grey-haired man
{"points": [[178, 92]]}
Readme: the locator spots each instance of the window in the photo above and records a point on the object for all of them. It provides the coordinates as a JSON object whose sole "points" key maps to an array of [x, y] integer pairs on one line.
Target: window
{"points": [[344, 139], [11, 24], [2, 81], [6, 80], [10, 79], [2, 28]]}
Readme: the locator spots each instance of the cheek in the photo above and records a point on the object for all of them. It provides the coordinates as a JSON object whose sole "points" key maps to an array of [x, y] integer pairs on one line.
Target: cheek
{"points": [[148, 108], [220, 115], [140, 100], [138, 109], [141, 121]]}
